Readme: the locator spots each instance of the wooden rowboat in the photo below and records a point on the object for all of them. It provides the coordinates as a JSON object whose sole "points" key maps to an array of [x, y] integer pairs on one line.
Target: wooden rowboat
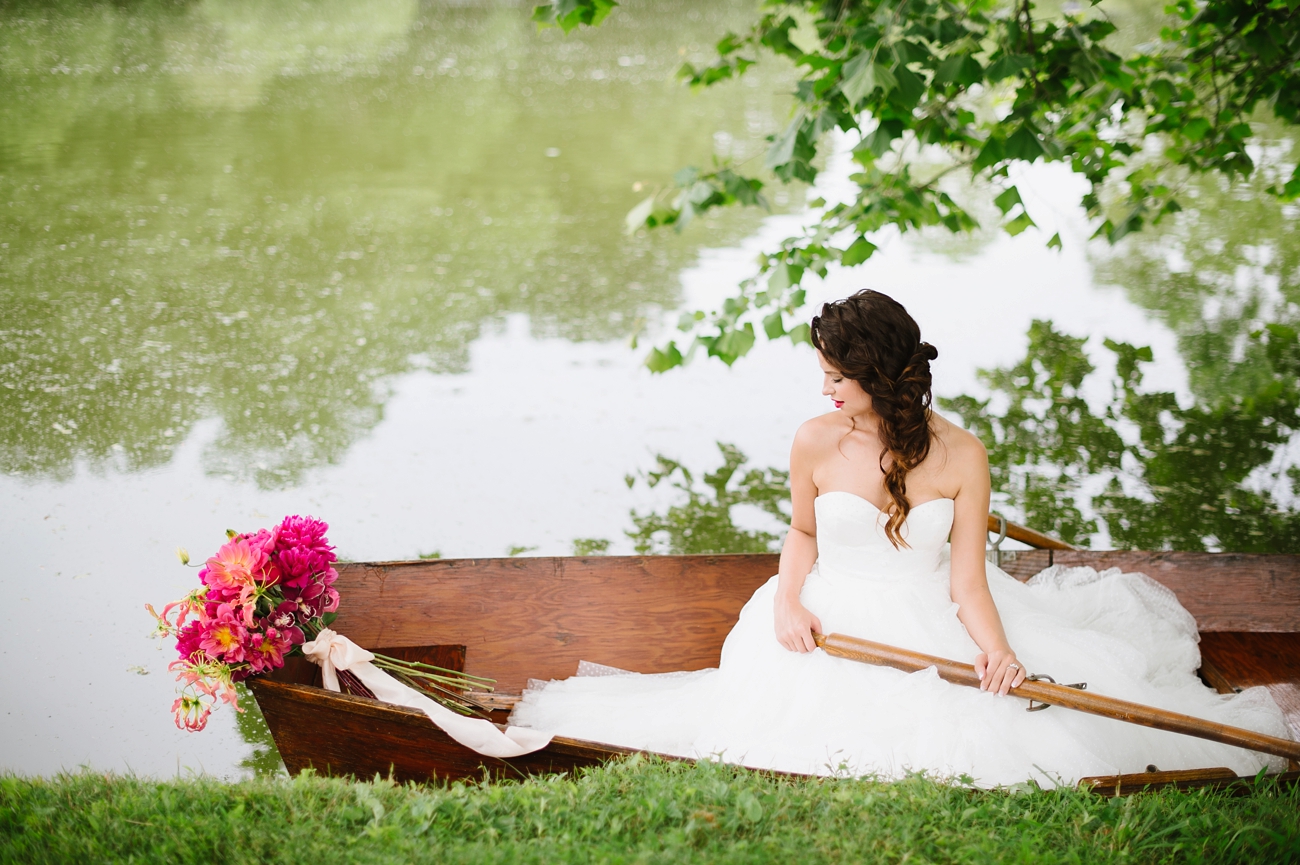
{"points": [[520, 618]]}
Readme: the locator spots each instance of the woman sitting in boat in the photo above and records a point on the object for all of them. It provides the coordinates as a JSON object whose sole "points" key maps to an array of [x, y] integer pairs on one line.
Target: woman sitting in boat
{"points": [[886, 542]]}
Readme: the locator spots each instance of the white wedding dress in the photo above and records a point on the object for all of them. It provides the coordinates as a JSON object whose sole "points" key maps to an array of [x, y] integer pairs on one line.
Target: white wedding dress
{"points": [[766, 707]]}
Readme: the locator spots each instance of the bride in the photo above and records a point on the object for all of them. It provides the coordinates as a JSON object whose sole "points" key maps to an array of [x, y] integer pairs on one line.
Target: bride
{"points": [[886, 542]]}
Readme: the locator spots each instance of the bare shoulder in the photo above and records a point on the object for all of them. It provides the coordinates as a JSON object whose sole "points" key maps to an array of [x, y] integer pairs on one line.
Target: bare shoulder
{"points": [[820, 432], [961, 448]]}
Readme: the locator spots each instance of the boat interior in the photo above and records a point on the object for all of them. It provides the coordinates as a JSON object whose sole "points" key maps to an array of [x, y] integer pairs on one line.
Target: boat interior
{"points": [[536, 618]]}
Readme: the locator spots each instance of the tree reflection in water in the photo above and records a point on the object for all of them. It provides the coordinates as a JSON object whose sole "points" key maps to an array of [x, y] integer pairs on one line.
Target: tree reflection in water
{"points": [[1143, 471]]}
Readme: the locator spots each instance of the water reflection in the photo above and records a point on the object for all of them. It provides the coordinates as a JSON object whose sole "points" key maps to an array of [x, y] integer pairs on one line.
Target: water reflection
{"points": [[261, 213], [705, 521], [1225, 266], [263, 759], [1152, 473]]}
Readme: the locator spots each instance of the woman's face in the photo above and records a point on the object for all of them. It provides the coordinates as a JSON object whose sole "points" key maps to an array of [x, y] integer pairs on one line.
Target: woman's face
{"points": [[847, 394]]}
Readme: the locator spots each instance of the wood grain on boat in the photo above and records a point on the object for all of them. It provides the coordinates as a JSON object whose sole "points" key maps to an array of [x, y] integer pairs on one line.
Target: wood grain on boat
{"points": [[1223, 591], [535, 618]]}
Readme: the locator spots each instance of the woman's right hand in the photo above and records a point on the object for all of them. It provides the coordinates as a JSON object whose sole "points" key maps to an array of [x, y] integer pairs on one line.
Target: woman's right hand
{"points": [[795, 625]]}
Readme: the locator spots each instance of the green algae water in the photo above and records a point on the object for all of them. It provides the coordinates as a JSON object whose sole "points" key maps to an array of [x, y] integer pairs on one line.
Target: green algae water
{"points": [[259, 211], [366, 261]]}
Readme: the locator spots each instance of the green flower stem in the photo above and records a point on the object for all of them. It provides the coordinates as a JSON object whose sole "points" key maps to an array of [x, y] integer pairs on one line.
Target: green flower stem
{"points": [[440, 670]]}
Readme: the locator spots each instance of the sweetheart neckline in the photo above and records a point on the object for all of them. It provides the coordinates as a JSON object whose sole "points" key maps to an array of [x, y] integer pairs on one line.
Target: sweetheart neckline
{"points": [[873, 504]]}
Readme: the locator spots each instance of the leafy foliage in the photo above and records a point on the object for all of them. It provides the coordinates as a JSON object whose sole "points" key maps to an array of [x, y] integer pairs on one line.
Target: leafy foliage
{"points": [[703, 523], [636, 809], [569, 14], [1172, 477], [590, 546], [989, 84]]}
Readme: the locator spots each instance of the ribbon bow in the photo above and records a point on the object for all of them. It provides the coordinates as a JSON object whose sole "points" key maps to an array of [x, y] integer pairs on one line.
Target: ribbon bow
{"points": [[334, 652]]}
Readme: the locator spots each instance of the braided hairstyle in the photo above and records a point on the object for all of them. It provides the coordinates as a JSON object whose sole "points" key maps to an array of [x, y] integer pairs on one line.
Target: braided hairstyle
{"points": [[871, 339]]}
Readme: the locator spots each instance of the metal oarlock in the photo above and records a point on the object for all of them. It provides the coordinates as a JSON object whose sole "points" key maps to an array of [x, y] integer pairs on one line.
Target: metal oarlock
{"points": [[1042, 677], [994, 552]]}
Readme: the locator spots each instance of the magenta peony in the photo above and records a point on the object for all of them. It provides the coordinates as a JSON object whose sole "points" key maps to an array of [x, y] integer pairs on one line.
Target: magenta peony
{"points": [[188, 640]]}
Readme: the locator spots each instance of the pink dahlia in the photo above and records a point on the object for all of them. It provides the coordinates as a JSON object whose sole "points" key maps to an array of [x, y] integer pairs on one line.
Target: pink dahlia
{"points": [[232, 571], [224, 637], [265, 542]]}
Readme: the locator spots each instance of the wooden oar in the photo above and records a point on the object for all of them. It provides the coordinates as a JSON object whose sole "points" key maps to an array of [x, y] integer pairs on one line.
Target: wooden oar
{"points": [[880, 654], [1026, 535]]}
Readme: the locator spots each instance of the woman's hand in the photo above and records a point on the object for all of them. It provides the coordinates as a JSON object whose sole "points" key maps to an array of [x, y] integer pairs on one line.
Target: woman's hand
{"points": [[795, 625], [999, 671]]}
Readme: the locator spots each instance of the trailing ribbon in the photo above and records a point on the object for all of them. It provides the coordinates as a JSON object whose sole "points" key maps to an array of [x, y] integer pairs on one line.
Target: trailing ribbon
{"points": [[334, 652]]}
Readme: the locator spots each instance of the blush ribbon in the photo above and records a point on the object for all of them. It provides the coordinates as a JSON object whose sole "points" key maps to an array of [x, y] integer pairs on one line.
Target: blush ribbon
{"points": [[334, 652]]}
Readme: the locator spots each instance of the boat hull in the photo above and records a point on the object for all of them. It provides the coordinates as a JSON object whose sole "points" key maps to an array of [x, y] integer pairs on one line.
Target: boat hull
{"points": [[516, 619]]}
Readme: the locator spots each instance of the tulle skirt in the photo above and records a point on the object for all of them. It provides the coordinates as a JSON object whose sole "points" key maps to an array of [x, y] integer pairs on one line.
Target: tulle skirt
{"points": [[766, 707]]}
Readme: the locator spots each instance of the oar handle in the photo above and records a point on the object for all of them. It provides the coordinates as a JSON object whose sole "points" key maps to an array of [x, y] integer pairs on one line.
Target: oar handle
{"points": [[879, 654]]}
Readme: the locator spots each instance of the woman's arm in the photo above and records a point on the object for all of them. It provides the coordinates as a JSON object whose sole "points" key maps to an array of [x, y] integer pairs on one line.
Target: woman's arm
{"points": [[794, 624], [969, 582]]}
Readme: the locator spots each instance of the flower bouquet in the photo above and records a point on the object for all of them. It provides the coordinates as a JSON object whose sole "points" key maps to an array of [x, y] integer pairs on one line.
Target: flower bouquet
{"points": [[263, 596]]}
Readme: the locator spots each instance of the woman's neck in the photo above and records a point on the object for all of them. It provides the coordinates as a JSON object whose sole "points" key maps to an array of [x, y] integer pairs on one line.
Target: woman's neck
{"points": [[865, 421]]}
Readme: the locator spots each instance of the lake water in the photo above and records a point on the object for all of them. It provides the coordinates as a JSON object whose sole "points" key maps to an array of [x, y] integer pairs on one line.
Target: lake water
{"points": [[366, 261]]}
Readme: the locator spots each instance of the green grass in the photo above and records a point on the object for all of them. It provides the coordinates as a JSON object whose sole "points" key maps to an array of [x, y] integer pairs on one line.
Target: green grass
{"points": [[634, 811]]}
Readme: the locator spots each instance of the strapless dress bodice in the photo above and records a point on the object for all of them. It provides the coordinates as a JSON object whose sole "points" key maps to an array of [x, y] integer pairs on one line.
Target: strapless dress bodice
{"points": [[851, 540]]}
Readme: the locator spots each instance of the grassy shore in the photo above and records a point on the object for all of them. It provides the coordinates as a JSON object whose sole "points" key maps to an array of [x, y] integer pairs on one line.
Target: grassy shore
{"points": [[633, 811]]}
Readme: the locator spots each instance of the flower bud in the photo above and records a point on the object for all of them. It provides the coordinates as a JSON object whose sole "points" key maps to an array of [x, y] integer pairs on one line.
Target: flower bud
{"points": [[183, 554]]}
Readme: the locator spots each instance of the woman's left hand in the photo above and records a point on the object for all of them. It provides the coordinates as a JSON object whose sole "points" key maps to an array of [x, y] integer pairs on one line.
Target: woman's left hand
{"points": [[999, 671]]}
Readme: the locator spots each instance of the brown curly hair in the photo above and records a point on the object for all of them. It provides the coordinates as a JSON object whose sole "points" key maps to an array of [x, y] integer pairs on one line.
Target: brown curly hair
{"points": [[871, 339]]}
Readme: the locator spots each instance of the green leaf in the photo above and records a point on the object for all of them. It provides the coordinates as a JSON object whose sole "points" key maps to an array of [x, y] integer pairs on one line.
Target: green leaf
{"points": [[801, 333], [637, 216], [1008, 200], [783, 276], [959, 69], [861, 75], [878, 141], [858, 252], [779, 279], [1019, 224], [686, 176], [1195, 129], [665, 359], [856, 80], [1055, 242], [909, 89], [1008, 65], [1024, 144], [993, 152], [749, 806], [734, 344], [773, 325], [782, 149]]}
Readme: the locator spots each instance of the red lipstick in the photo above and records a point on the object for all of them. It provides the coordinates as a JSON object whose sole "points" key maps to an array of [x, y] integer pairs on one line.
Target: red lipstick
{"points": [[839, 403]]}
